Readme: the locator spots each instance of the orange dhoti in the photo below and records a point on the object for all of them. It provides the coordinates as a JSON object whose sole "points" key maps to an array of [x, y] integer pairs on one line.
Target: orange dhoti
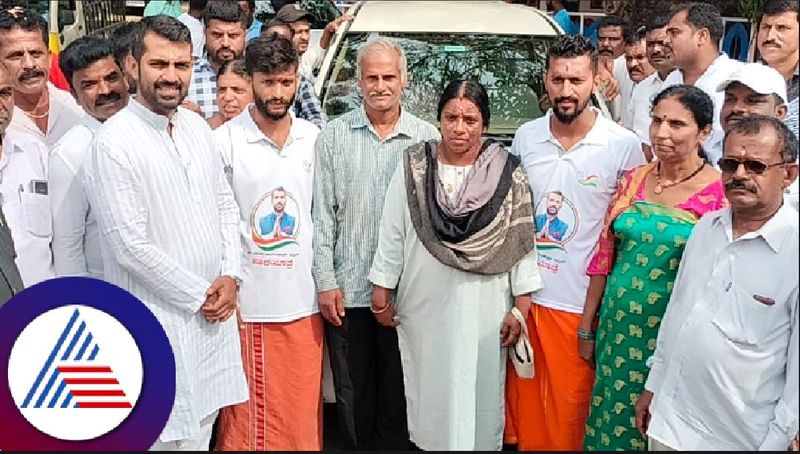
{"points": [[283, 365], [548, 412]]}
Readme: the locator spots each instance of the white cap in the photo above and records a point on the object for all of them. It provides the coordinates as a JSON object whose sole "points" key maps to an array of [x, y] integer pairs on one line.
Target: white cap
{"points": [[762, 79]]}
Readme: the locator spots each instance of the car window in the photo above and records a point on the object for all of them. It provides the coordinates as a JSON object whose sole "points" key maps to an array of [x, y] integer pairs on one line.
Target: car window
{"points": [[323, 11], [511, 68]]}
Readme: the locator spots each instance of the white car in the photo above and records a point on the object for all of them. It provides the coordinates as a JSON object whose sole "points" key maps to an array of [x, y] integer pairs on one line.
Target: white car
{"points": [[500, 44]]}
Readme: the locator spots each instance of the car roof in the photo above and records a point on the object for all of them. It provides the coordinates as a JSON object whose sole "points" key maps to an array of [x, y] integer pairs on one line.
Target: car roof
{"points": [[451, 16]]}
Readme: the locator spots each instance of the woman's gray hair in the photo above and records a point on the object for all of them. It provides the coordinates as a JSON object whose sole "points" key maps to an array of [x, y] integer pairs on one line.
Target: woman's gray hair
{"points": [[379, 45]]}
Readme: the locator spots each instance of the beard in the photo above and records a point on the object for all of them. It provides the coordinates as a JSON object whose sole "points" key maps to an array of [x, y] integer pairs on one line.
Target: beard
{"points": [[157, 102], [263, 107], [566, 117]]}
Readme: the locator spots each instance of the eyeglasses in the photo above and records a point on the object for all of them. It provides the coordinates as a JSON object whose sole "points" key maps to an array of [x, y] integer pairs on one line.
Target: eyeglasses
{"points": [[731, 165]]}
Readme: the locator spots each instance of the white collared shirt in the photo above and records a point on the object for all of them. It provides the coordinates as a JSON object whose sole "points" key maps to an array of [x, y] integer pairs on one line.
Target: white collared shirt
{"points": [[23, 163], [277, 285], [719, 70], [642, 103], [168, 227], [626, 84], [64, 114], [725, 370], [587, 176], [76, 240]]}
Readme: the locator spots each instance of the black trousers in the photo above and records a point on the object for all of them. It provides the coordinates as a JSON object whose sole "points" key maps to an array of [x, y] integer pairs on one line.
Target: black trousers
{"points": [[368, 379]]}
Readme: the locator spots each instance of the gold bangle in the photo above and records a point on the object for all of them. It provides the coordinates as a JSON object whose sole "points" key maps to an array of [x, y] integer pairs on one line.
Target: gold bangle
{"points": [[379, 311]]}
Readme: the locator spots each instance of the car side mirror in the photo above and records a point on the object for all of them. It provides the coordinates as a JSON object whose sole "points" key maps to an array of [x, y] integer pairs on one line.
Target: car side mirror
{"points": [[66, 17]]}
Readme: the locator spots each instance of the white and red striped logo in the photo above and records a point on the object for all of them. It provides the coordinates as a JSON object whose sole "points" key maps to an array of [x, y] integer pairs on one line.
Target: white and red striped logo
{"points": [[77, 373]]}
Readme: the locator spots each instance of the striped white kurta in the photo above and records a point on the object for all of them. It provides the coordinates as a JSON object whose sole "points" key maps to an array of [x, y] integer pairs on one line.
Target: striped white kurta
{"points": [[168, 224]]}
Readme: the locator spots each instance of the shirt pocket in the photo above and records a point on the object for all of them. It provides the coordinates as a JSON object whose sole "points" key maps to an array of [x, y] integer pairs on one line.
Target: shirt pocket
{"points": [[36, 214], [742, 318]]}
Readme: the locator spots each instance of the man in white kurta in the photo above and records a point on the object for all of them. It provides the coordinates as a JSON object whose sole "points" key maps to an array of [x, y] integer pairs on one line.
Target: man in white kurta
{"points": [[169, 231], [454, 367]]}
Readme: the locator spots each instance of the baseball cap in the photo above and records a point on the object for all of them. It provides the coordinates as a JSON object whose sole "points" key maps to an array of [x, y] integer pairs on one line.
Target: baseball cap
{"points": [[762, 79], [293, 13]]}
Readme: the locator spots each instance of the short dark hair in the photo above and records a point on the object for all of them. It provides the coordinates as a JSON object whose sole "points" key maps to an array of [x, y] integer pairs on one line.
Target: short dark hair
{"points": [[236, 66], [610, 21], [164, 26], [197, 5], [468, 89], [83, 52], [252, 4], [278, 4], [26, 20], [754, 125], [695, 101], [571, 46], [633, 34], [124, 37], [656, 21], [703, 15], [270, 55], [275, 23], [773, 7], [225, 11]]}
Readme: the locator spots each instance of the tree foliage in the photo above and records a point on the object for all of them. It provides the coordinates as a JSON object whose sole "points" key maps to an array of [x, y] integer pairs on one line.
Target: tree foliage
{"points": [[638, 11]]}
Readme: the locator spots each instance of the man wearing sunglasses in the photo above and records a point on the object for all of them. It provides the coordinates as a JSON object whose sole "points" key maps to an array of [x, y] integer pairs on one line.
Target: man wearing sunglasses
{"points": [[736, 297]]}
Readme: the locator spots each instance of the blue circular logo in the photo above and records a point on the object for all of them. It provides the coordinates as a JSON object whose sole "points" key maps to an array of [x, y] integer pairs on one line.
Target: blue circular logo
{"points": [[89, 367]]}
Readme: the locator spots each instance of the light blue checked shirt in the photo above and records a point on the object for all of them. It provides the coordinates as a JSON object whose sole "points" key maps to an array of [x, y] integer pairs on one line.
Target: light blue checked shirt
{"points": [[203, 88], [353, 170]]}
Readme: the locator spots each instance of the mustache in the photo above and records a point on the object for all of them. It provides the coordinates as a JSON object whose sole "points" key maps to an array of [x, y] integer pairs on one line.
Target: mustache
{"points": [[176, 85], [30, 73], [772, 42], [107, 98], [738, 184], [565, 99]]}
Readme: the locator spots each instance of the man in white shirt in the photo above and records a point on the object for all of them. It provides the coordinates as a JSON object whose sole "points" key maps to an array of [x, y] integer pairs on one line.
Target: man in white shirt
{"points": [[611, 50], [754, 89], [23, 190], [100, 87], [639, 68], [725, 372], [693, 35], [41, 109], [660, 58], [270, 157], [193, 19], [169, 230], [576, 151]]}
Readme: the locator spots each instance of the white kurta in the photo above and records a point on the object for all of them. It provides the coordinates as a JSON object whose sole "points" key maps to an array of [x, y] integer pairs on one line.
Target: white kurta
{"points": [[168, 225], [449, 333], [64, 114]]}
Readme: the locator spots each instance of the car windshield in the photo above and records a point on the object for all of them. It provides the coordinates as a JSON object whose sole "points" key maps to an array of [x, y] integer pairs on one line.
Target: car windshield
{"points": [[509, 66]]}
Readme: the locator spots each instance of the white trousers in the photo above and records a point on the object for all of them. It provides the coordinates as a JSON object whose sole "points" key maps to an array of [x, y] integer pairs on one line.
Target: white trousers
{"points": [[656, 445], [198, 443]]}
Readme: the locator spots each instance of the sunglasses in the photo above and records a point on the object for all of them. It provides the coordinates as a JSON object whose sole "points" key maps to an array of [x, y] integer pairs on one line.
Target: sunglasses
{"points": [[731, 165]]}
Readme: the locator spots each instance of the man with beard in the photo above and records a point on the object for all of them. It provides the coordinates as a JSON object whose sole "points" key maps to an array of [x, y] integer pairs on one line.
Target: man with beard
{"points": [[99, 86], [269, 150], [660, 58], [10, 280], [638, 67], [226, 28], [548, 224], [42, 110], [169, 230], [724, 375], [306, 103], [575, 150], [356, 155], [611, 52], [278, 223], [693, 35]]}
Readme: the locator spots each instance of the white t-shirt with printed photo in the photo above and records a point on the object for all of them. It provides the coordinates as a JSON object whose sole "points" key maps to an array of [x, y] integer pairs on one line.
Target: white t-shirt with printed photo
{"points": [[273, 188], [572, 190]]}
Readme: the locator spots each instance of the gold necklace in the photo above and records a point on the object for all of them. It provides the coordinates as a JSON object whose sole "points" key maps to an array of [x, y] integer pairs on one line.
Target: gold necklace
{"points": [[660, 186], [36, 116]]}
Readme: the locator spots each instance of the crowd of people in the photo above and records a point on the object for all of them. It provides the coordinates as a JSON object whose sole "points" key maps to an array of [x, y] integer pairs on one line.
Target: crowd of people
{"points": [[622, 283]]}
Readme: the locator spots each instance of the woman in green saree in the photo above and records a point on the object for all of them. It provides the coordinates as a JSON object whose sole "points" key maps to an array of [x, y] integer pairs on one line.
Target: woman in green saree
{"points": [[636, 261]]}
